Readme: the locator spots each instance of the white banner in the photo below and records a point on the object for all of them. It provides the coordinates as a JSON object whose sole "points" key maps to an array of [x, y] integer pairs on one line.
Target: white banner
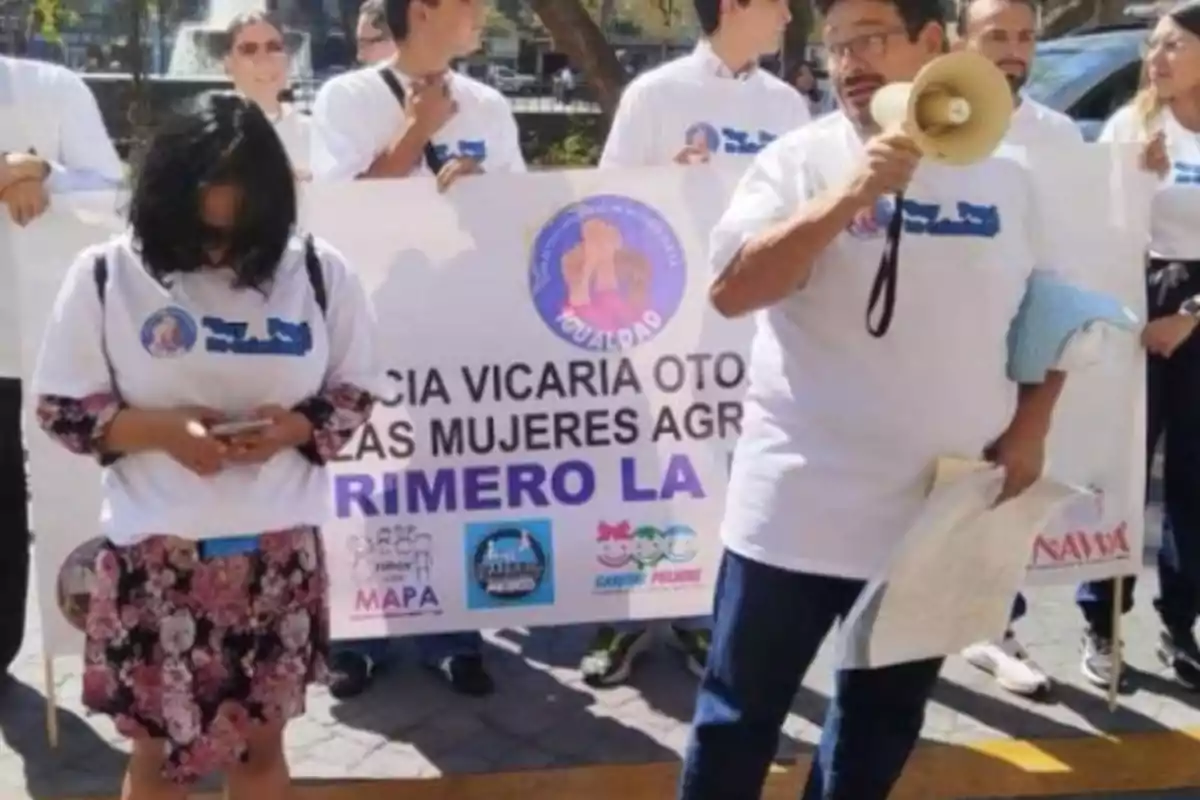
{"points": [[560, 405]]}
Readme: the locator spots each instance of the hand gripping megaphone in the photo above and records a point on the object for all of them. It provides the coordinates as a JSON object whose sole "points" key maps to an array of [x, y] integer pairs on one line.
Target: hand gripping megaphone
{"points": [[957, 111]]}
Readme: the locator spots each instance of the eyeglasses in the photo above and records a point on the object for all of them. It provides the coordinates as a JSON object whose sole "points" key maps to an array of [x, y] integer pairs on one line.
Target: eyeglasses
{"points": [[864, 46], [1165, 46], [250, 49]]}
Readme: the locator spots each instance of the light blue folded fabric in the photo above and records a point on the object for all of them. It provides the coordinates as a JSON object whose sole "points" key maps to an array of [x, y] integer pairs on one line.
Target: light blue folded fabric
{"points": [[1051, 312]]}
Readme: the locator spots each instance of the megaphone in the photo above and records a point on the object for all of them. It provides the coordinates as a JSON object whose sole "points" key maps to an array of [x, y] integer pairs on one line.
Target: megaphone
{"points": [[957, 110]]}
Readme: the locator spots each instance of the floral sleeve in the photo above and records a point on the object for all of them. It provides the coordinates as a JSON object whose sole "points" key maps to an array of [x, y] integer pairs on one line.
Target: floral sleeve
{"points": [[335, 414], [79, 424]]}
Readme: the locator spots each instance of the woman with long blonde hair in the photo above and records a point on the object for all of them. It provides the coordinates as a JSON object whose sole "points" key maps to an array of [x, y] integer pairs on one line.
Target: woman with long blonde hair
{"points": [[1164, 118]]}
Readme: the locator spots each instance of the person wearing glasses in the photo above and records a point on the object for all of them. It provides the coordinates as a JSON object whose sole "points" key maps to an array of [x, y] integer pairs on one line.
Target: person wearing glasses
{"points": [[213, 362], [254, 52], [844, 420], [1164, 118], [374, 43]]}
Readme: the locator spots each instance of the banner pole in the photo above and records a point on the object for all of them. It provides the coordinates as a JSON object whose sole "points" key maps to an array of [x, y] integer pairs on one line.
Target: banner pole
{"points": [[51, 700], [1118, 660]]}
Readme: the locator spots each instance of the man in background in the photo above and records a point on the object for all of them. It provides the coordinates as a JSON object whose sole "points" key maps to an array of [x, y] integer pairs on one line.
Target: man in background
{"points": [[413, 116], [52, 140], [714, 103], [374, 43], [1005, 31]]}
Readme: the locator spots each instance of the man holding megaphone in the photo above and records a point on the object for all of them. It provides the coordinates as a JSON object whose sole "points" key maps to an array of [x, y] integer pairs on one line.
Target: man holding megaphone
{"points": [[844, 422]]}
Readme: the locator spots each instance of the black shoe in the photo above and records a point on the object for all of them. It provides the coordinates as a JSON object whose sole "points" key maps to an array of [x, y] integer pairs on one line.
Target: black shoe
{"points": [[466, 675], [350, 674], [1178, 650]]}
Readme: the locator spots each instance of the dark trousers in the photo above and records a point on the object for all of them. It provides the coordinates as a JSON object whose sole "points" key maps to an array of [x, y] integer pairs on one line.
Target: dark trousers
{"points": [[14, 524], [768, 625], [1172, 418]]}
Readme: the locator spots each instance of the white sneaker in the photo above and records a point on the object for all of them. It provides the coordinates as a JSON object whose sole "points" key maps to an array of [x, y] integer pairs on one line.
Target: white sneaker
{"points": [[1007, 661]]}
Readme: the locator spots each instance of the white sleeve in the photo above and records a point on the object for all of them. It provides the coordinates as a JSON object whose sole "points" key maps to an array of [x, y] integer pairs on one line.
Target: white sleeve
{"points": [[342, 146], [350, 320], [630, 141], [767, 193], [1122, 127], [86, 156], [509, 157], [71, 362]]}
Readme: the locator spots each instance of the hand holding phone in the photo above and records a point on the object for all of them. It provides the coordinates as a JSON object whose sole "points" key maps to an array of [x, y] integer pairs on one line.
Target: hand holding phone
{"points": [[226, 430]]}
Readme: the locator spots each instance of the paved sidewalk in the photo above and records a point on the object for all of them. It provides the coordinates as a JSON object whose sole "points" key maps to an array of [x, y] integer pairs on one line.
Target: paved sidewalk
{"points": [[544, 718]]}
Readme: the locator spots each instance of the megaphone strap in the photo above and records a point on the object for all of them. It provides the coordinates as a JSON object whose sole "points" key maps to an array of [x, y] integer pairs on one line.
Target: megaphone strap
{"points": [[884, 287]]}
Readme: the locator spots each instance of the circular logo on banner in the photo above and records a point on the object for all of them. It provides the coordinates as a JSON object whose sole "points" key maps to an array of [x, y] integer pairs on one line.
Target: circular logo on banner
{"points": [[76, 578], [510, 564], [871, 223], [704, 137], [607, 273], [169, 332]]}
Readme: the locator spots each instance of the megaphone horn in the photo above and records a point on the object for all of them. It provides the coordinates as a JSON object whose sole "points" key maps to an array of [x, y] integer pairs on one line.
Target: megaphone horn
{"points": [[957, 110]]}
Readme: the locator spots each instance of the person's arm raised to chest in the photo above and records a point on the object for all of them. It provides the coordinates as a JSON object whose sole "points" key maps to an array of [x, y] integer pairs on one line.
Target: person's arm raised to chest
{"points": [[429, 106], [777, 225]]}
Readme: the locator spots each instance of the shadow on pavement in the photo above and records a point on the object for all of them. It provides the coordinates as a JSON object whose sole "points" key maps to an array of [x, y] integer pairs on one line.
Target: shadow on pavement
{"points": [[532, 721]]}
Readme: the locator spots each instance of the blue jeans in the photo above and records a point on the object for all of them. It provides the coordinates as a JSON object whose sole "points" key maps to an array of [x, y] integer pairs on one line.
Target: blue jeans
{"points": [[432, 648], [769, 624]]}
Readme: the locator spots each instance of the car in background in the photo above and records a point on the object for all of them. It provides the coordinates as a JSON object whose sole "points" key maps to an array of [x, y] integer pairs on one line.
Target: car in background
{"points": [[510, 82], [1090, 74]]}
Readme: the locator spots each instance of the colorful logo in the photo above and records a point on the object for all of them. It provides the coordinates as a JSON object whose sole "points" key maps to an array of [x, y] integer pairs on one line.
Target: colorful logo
{"points": [[871, 223], [703, 136], [169, 332], [509, 564], [646, 557], [393, 567], [607, 274]]}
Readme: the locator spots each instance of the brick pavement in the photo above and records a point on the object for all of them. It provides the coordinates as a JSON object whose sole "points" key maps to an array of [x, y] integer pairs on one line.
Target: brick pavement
{"points": [[544, 717]]}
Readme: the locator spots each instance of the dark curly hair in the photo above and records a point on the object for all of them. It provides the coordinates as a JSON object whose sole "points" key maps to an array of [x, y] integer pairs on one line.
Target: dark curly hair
{"points": [[222, 139]]}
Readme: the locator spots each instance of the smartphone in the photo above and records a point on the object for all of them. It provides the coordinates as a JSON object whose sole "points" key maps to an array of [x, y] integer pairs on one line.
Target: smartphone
{"points": [[222, 429]]}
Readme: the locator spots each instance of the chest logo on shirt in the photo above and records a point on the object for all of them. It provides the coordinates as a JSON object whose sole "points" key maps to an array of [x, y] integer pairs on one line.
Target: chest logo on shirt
{"points": [[283, 337], [169, 333], [928, 219], [607, 273], [732, 141], [474, 149], [1183, 173]]}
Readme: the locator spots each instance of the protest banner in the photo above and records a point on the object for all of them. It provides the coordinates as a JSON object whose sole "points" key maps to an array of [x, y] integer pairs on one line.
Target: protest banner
{"points": [[557, 413]]}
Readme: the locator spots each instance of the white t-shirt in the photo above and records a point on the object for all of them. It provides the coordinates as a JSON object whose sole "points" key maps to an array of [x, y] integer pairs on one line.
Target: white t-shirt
{"points": [[1036, 125], [199, 341], [356, 117], [841, 430], [1175, 209], [49, 109], [697, 99], [295, 131]]}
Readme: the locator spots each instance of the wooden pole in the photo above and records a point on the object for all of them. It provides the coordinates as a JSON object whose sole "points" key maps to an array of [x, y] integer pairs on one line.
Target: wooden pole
{"points": [[51, 700]]}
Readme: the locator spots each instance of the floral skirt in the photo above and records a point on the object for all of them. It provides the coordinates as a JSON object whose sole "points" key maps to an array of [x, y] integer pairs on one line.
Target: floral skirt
{"points": [[195, 651]]}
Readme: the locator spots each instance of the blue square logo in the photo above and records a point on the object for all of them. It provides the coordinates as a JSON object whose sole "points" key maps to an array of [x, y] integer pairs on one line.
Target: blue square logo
{"points": [[509, 564]]}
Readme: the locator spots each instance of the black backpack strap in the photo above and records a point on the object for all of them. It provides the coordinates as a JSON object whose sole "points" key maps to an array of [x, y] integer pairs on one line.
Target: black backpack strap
{"points": [[432, 159], [316, 274]]}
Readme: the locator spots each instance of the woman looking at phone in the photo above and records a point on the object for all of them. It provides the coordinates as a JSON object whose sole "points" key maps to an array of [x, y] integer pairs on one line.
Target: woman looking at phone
{"points": [[208, 617]]}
